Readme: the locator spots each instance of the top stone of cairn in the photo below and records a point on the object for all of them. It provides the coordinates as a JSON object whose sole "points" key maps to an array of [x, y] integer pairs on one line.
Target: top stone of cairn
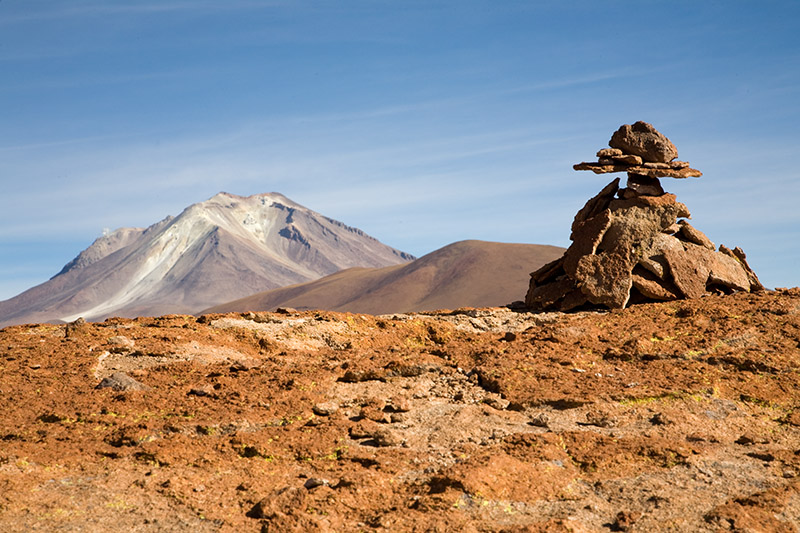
{"points": [[640, 149], [644, 140]]}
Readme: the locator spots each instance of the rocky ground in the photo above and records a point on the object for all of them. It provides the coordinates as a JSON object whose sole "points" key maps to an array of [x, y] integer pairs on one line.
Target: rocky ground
{"points": [[678, 416]]}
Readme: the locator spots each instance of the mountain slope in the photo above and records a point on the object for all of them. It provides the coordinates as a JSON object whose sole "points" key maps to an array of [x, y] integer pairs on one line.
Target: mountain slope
{"points": [[226, 247], [462, 274]]}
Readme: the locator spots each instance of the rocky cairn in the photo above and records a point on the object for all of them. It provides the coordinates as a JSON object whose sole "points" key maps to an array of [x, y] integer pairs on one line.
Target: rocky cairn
{"points": [[633, 244]]}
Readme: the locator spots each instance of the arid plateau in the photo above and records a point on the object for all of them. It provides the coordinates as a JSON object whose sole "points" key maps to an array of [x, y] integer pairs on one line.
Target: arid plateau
{"points": [[673, 416]]}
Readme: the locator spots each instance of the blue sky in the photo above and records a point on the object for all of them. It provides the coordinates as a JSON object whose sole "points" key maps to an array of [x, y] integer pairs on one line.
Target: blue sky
{"points": [[420, 122]]}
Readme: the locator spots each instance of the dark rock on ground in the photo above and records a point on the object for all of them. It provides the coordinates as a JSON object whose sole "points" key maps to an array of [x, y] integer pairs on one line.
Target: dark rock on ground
{"points": [[119, 381]]}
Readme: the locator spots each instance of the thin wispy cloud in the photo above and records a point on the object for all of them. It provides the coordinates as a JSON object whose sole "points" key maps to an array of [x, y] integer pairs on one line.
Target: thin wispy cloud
{"points": [[73, 81], [77, 9], [589, 79]]}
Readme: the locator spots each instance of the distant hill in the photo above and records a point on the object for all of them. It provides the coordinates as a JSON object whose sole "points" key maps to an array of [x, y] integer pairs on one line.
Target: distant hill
{"points": [[224, 248], [463, 274]]}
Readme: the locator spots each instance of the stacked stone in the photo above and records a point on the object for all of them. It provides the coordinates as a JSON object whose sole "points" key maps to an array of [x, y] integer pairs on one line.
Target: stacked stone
{"points": [[640, 150], [633, 244]]}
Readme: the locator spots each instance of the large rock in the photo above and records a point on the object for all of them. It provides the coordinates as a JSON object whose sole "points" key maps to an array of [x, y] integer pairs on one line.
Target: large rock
{"points": [[651, 286], [605, 279], [596, 205], [644, 140], [603, 254], [628, 244], [689, 233], [652, 254], [635, 249], [644, 185], [672, 171], [738, 254]]}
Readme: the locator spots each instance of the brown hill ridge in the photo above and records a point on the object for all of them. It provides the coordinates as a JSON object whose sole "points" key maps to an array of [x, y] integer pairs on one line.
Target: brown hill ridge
{"points": [[463, 274]]}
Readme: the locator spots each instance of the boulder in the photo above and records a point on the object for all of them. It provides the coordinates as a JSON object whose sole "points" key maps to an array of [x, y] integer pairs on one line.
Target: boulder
{"points": [[642, 139], [652, 254], [597, 204], [605, 279], [738, 254], [636, 245], [727, 272], [688, 271], [689, 233], [547, 295], [644, 185], [632, 244], [651, 286]]}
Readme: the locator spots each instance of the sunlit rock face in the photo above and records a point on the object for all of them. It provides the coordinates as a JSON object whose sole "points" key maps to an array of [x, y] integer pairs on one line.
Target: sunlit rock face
{"points": [[633, 244]]}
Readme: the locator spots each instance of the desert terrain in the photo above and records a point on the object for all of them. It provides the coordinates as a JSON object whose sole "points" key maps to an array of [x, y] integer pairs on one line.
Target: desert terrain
{"points": [[674, 416]]}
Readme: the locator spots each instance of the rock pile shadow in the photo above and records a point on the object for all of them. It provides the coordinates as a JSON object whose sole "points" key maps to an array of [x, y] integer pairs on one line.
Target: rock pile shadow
{"points": [[634, 244]]}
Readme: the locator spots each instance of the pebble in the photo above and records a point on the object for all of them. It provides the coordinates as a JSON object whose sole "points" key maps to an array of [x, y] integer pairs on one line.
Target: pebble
{"points": [[659, 419], [401, 404], [601, 419], [510, 336], [540, 420], [497, 403], [205, 390], [325, 408], [387, 437], [314, 482], [119, 381]]}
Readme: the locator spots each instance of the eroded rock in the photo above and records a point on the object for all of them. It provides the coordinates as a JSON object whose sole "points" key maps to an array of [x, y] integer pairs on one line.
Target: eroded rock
{"points": [[642, 139], [691, 234], [644, 185], [120, 381], [631, 244]]}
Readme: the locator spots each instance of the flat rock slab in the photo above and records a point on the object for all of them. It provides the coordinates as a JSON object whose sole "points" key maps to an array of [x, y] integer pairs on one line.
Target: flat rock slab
{"points": [[654, 289], [605, 168], [605, 279]]}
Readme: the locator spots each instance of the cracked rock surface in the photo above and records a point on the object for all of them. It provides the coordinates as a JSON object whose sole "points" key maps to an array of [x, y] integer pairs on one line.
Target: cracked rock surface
{"points": [[670, 416]]}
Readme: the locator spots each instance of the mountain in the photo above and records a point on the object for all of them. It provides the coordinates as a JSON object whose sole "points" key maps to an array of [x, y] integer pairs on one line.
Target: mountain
{"points": [[224, 248], [463, 274]]}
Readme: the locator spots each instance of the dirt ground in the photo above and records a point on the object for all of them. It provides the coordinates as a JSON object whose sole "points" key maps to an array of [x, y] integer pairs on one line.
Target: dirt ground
{"points": [[680, 416]]}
